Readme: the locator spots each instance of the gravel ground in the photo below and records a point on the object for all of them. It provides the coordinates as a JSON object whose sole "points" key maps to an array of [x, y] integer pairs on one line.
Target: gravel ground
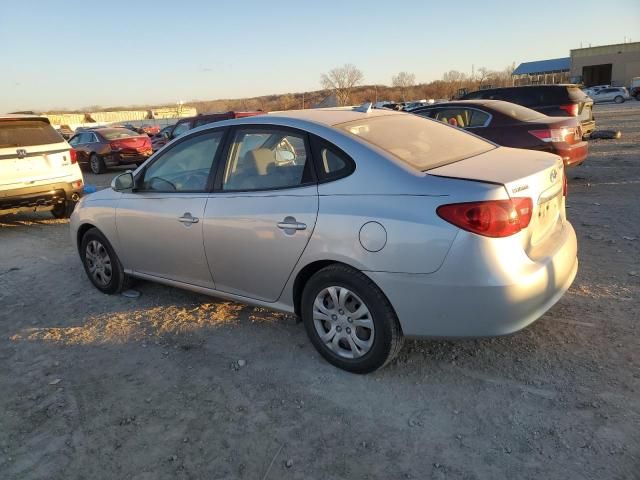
{"points": [[178, 385]]}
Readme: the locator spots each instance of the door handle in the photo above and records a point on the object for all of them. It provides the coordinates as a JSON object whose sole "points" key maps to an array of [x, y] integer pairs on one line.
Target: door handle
{"points": [[290, 223], [187, 219]]}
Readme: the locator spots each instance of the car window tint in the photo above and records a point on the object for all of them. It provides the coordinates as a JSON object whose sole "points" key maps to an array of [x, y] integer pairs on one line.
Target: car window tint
{"points": [[263, 160], [85, 138], [458, 117], [185, 167], [180, 129], [24, 133], [477, 118], [73, 141]]}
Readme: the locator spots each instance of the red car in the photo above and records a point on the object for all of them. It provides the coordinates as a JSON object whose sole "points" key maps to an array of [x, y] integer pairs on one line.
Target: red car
{"points": [[512, 125], [100, 148]]}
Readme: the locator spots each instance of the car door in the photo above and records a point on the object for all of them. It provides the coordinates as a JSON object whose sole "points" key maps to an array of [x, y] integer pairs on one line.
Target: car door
{"points": [[79, 143], [160, 222], [259, 219]]}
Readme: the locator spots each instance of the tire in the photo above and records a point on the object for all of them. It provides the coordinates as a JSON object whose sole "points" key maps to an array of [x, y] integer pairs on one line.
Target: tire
{"points": [[619, 99], [376, 346], [96, 164], [63, 210], [111, 279]]}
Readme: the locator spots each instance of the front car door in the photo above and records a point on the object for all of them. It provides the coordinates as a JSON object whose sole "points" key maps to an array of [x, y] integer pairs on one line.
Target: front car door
{"points": [[259, 220], [80, 143], [161, 221]]}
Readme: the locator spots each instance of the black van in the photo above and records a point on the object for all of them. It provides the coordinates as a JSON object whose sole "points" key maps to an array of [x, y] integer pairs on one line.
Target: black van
{"points": [[552, 100]]}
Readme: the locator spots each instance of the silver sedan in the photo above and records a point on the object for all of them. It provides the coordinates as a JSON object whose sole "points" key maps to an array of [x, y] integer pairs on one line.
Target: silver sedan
{"points": [[370, 225]]}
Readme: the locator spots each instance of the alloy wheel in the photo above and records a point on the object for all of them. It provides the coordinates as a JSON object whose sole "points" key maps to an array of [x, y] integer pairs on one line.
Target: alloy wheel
{"points": [[98, 262], [343, 322]]}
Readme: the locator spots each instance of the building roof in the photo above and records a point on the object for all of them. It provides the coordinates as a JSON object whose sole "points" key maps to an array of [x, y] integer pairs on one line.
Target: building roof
{"points": [[544, 66]]}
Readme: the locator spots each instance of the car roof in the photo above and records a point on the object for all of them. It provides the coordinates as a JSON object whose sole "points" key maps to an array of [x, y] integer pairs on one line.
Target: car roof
{"points": [[480, 101], [22, 116], [334, 116]]}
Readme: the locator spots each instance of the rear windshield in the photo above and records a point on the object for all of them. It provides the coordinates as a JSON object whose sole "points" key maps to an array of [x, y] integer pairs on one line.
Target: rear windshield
{"points": [[417, 141], [516, 111], [118, 133], [27, 133]]}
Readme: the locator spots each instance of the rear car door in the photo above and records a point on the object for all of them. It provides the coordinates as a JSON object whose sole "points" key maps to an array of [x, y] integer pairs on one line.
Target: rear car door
{"points": [[261, 216], [160, 222]]}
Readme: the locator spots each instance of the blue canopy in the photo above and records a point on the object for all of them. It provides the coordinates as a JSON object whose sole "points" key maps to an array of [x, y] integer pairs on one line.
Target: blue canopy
{"points": [[543, 66]]}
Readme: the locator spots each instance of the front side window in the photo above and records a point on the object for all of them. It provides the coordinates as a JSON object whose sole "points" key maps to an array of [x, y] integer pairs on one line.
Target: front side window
{"points": [[185, 167], [266, 159]]}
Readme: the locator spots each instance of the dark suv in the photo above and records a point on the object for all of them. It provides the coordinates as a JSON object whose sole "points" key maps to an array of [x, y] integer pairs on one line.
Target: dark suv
{"points": [[552, 100], [185, 124]]}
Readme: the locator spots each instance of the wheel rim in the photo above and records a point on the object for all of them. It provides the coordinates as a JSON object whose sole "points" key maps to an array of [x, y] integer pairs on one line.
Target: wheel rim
{"points": [[95, 165], [98, 262], [343, 322]]}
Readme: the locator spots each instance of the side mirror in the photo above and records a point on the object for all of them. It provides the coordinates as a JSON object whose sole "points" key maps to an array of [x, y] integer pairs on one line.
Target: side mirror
{"points": [[124, 181]]}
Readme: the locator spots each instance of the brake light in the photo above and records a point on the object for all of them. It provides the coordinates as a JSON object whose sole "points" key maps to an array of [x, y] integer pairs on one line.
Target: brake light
{"points": [[571, 109], [565, 134], [490, 218], [73, 155]]}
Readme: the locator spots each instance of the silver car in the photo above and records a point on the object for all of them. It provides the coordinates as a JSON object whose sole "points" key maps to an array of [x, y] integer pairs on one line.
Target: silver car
{"points": [[370, 225]]}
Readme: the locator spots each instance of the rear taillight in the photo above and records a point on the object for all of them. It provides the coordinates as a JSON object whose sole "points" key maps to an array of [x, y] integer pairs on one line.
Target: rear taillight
{"points": [[115, 146], [565, 184], [571, 109], [490, 218], [73, 155], [565, 134]]}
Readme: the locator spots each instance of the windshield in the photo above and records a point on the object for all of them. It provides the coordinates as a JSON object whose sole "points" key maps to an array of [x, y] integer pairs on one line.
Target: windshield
{"points": [[26, 133], [118, 133], [417, 141]]}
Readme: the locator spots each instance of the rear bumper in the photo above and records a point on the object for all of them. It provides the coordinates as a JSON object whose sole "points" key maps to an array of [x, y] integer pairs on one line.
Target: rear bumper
{"points": [[588, 127], [41, 197], [115, 159], [484, 288], [573, 155]]}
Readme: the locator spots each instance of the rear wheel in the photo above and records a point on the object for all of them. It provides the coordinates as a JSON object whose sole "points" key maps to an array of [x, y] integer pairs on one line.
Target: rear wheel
{"points": [[63, 210], [349, 320], [96, 164], [101, 263], [619, 99]]}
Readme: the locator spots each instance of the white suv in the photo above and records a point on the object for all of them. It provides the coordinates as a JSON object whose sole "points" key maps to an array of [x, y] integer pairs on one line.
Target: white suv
{"points": [[38, 168], [611, 94]]}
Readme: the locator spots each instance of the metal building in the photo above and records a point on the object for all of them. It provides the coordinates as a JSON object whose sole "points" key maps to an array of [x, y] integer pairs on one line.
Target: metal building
{"points": [[542, 72], [606, 65]]}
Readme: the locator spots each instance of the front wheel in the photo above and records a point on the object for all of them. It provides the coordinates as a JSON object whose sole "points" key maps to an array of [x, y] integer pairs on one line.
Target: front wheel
{"points": [[101, 263], [619, 99], [349, 320]]}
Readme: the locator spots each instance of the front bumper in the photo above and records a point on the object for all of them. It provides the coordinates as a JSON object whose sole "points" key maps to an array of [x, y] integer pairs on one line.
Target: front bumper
{"points": [[41, 197], [572, 155], [484, 287]]}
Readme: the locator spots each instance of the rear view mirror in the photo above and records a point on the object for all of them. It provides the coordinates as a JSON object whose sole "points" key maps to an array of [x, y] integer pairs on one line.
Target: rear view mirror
{"points": [[124, 181]]}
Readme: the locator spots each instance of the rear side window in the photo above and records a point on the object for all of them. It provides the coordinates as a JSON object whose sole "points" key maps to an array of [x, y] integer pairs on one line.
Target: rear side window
{"points": [[27, 133], [421, 143], [331, 162]]}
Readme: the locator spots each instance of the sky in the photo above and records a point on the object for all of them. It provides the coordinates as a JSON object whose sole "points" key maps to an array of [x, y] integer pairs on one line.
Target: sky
{"points": [[74, 54]]}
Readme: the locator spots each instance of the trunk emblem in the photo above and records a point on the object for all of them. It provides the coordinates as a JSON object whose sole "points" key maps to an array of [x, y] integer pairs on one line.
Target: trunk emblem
{"points": [[553, 175], [21, 152]]}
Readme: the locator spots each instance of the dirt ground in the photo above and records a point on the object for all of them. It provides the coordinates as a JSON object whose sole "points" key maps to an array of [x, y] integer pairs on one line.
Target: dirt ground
{"points": [[108, 387]]}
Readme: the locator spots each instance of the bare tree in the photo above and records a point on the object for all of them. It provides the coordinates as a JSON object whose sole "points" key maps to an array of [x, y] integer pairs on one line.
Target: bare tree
{"points": [[403, 81], [483, 75], [341, 81], [455, 80]]}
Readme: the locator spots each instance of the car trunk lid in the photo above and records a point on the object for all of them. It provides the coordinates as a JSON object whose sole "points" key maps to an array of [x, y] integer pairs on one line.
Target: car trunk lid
{"points": [[523, 173]]}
